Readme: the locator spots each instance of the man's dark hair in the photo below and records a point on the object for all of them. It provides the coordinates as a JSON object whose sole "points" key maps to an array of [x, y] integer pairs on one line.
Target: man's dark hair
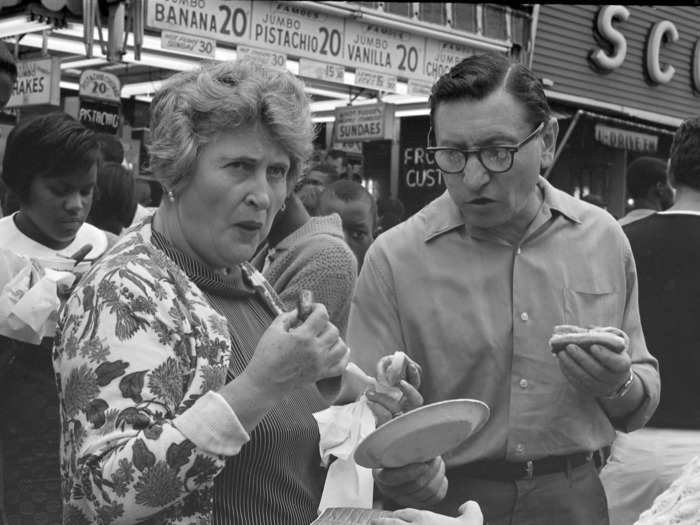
{"points": [[478, 76], [111, 147], [349, 191], [51, 145], [7, 62], [114, 205], [643, 174], [685, 154]]}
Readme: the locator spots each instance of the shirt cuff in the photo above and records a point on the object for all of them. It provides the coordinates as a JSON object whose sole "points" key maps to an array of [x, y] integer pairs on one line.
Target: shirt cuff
{"points": [[211, 424]]}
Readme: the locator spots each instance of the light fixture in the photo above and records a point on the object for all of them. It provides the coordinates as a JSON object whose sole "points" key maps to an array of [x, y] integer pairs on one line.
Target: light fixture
{"points": [[20, 24], [322, 119], [69, 85], [417, 112], [84, 62], [141, 88]]}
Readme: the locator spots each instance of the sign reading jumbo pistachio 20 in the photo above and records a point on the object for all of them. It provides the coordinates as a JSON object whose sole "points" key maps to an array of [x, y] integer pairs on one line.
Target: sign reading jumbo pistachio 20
{"points": [[302, 32]]}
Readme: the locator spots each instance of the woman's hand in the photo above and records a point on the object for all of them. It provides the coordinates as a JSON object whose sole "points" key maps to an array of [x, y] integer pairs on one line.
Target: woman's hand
{"points": [[287, 358], [470, 514]]}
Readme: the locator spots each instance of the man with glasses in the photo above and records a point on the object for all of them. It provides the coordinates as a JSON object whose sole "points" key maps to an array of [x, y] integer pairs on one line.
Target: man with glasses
{"points": [[472, 287]]}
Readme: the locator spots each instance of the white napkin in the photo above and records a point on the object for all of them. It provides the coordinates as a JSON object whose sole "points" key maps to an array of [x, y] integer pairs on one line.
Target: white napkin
{"points": [[29, 299], [342, 428]]}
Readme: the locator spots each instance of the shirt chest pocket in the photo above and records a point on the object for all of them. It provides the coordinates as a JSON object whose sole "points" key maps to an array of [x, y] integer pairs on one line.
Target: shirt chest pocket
{"points": [[597, 306]]}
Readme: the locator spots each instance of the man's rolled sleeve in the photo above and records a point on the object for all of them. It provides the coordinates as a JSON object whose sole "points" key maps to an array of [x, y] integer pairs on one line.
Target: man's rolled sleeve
{"points": [[643, 363]]}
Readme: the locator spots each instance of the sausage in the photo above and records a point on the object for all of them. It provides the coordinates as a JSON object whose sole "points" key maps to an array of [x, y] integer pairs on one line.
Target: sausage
{"points": [[610, 337]]}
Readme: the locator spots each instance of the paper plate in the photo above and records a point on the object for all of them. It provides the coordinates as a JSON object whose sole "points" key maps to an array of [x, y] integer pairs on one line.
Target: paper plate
{"points": [[422, 434]]}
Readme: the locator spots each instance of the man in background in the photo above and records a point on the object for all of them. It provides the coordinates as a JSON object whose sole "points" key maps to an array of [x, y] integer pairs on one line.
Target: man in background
{"points": [[647, 184], [357, 210], [666, 248]]}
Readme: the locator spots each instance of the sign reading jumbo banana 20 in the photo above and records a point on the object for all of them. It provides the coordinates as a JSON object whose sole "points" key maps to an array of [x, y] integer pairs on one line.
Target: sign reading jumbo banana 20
{"points": [[305, 33]]}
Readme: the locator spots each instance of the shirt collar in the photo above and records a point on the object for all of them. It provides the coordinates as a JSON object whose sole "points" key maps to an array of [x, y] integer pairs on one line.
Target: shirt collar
{"points": [[443, 214]]}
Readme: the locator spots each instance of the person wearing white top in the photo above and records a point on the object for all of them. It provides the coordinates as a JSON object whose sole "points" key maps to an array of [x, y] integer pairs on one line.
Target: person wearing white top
{"points": [[50, 165]]}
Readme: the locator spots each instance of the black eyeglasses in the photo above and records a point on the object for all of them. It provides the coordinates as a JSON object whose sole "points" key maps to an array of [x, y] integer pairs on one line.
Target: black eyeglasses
{"points": [[496, 159]]}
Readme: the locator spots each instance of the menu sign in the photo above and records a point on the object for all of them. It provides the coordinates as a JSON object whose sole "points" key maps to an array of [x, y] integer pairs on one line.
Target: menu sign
{"points": [[420, 180], [358, 123], [99, 116], [100, 85], [189, 44], [38, 82], [625, 139], [304, 33]]}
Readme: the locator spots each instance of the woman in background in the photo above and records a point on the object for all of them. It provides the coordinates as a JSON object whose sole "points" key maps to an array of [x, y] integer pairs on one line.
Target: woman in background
{"points": [[50, 165]]}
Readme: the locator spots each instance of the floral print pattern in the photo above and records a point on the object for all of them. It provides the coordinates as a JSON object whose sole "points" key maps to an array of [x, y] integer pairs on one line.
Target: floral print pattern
{"points": [[139, 345]]}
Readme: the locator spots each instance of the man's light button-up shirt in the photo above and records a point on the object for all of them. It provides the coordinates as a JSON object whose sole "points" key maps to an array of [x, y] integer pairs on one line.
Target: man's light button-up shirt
{"points": [[523, 384], [524, 317]]}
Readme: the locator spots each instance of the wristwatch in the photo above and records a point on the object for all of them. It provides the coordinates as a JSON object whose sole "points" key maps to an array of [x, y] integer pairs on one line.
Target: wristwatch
{"points": [[622, 391]]}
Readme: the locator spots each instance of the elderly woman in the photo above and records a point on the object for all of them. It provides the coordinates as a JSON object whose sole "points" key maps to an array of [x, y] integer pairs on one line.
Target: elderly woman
{"points": [[186, 396], [50, 165]]}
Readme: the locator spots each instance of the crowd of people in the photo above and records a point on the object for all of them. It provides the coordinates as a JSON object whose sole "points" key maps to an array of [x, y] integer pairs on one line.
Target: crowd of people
{"points": [[181, 382]]}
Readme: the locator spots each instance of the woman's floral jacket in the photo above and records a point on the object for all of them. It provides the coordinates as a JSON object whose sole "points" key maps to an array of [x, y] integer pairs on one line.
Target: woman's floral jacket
{"points": [[139, 351]]}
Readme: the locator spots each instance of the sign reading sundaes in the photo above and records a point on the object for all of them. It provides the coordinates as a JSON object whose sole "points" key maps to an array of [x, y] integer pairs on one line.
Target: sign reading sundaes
{"points": [[358, 123]]}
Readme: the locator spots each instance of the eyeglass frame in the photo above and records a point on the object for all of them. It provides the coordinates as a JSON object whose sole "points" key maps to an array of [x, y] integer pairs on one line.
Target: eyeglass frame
{"points": [[467, 152]]}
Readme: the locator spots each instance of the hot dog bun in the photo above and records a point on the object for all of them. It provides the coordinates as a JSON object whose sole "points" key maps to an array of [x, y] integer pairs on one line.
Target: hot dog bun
{"points": [[391, 369], [609, 336]]}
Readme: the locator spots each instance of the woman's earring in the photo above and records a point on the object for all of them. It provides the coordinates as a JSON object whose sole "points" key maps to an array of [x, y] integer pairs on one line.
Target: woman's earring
{"points": [[284, 207], [171, 197]]}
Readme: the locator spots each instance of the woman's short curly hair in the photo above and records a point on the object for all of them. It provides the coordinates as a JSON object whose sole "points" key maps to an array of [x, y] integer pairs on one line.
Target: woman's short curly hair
{"points": [[194, 107]]}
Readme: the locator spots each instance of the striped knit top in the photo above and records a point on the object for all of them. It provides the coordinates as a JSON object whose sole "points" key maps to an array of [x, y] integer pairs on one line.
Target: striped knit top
{"points": [[277, 478]]}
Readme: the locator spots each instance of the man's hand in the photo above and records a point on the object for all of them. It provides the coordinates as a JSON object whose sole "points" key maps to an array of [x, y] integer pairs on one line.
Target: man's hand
{"points": [[385, 407], [470, 514], [599, 372], [418, 484]]}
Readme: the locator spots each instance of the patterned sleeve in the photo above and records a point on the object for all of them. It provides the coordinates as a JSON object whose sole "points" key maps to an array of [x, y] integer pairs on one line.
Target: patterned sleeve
{"points": [[139, 437]]}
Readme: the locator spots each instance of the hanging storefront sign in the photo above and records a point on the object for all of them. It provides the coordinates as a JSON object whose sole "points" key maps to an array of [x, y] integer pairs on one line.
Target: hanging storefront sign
{"points": [[99, 116], [372, 80], [38, 83], [265, 56], [625, 139], [321, 70], [358, 123], [302, 32], [100, 85], [189, 44]]}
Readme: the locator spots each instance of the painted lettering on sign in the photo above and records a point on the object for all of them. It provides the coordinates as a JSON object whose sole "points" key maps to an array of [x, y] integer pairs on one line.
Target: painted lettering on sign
{"points": [[37, 83], [440, 57], [624, 139], [226, 20], [189, 44], [298, 30], [358, 123]]}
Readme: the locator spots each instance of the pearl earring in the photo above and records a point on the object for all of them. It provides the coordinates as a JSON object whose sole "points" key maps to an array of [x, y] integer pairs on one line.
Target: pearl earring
{"points": [[284, 207], [171, 197]]}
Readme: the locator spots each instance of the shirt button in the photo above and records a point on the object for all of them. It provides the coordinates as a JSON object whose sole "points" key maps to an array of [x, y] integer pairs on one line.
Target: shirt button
{"points": [[519, 250], [523, 383], [524, 316]]}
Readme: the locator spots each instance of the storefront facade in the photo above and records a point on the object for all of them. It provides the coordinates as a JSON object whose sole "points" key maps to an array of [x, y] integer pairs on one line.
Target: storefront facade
{"points": [[620, 79]]}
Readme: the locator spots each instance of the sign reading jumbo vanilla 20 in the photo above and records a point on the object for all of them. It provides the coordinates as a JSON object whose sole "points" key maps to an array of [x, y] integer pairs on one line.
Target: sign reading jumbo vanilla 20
{"points": [[642, 57]]}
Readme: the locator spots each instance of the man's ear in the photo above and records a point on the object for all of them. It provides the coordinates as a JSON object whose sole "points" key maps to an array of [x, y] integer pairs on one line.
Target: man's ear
{"points": [[548, 138]]}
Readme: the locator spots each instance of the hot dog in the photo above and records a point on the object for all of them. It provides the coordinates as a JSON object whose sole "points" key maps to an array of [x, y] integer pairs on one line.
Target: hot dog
{"points": [[609, 336], [391, 369]]}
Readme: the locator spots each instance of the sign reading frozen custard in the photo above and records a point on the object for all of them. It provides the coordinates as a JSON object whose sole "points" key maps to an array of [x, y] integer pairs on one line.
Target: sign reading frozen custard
{"points": [[625, 139], [358, 123], [38, 82]]}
